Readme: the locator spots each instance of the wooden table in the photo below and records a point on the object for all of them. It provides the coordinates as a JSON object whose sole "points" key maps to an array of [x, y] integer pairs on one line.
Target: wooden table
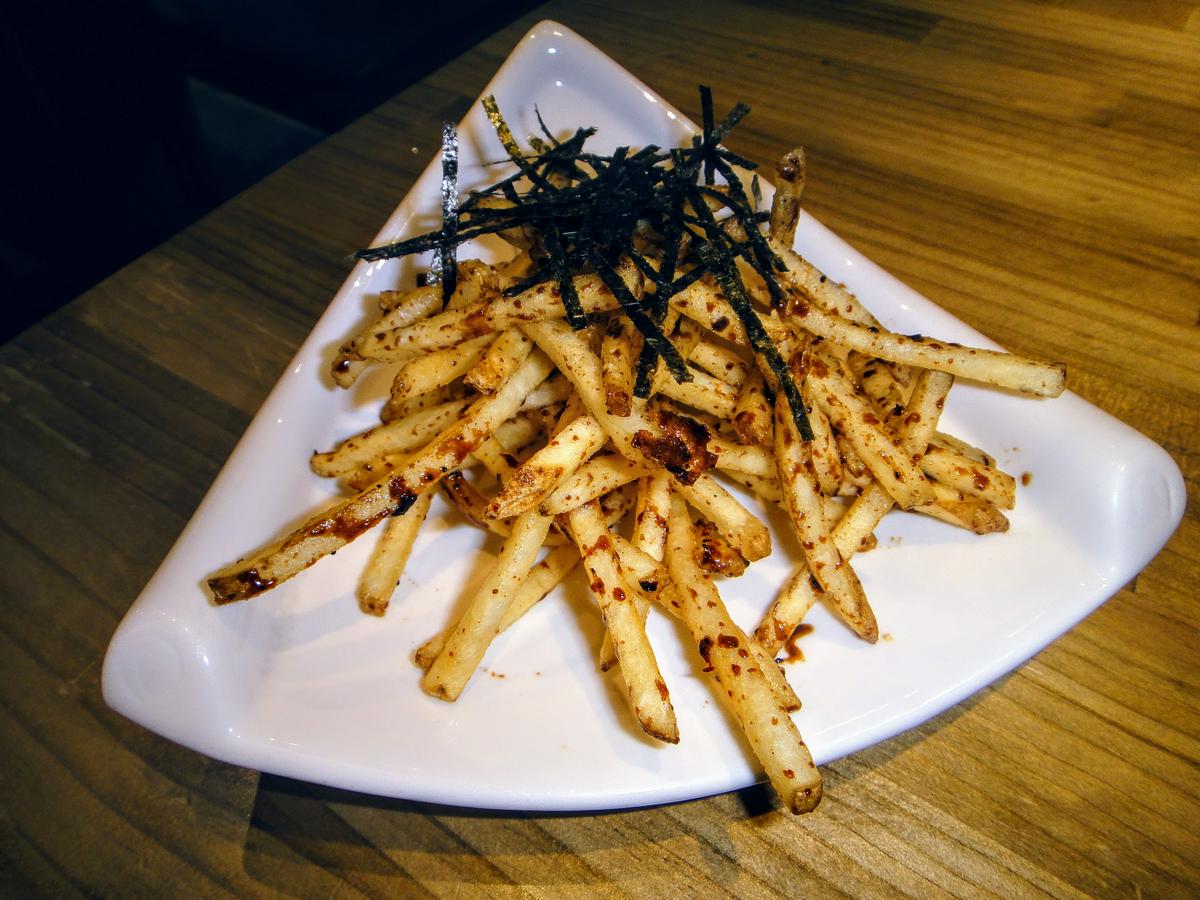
{"points": [[1032, 167]]}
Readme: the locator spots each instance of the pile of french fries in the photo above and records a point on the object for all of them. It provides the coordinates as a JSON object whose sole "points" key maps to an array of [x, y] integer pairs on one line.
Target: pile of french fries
{"points": [[533, 431]]}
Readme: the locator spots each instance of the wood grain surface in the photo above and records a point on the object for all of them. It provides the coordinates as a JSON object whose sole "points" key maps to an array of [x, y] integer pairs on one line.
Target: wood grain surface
{"points": [[1032, 167]]}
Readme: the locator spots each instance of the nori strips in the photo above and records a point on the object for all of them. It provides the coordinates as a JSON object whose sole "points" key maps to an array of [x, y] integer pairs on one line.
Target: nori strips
{"points": [[552, 238], [725, 271], [706, 123], [586, 207], [446, 255], [633, 308]]}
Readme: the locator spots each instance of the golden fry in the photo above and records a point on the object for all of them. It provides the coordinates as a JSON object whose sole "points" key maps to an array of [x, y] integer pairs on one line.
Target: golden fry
{"points": [[797, 477], [470, 638], [725, 650], [536, 478], [540, 581], [593, 479], [647, 691], [498, 362], [387, 562], [434, 370]]}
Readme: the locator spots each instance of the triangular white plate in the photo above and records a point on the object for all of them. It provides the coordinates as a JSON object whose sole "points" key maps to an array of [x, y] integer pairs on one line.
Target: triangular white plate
{"points": [[298, 682]]}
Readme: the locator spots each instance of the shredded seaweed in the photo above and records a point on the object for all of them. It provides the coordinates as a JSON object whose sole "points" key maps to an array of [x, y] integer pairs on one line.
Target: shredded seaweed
{"points": [[636, 313], [560, 266], [706, 122], [446, 255], [509, 143], [725, 271], [593, 212]]}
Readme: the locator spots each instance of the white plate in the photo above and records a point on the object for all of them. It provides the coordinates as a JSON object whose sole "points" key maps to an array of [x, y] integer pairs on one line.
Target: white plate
{"points": [[299, 683]]}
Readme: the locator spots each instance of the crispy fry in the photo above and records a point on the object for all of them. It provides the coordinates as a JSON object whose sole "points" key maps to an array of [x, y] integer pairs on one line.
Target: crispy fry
{"points": [[989, 366], [704, 303], [799, 594], [391, 495], [493, 456], [649, 538], [574, 358], [369, 473], [826, 456], [649, 580], [547, 469], [965, 510], [785, 205], [476, 281], [751, 459], [766, 487], [802, 494], [387, 562], [880, 385], [470, 638], [961, 473], [434, 370], [685, 335], [640, 566], [856, 525], [856, 477], [324, 533], [450, 448], [752, 411], [721, 361], [520, 431], [393, 411], [498, 362], [739, 526], [616, 366], [715, 554], [650, 518], [540, 303], [950, 442], [852, 414], [541, 580], [392, 437], [548, 393], [402, 310], [725, 650], [593, 479], [704, 392], [647, 692], [472, 504], [829, 295], [441, 330]]}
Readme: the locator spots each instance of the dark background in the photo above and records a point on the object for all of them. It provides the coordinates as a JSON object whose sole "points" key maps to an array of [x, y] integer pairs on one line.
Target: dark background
{"points": [[126, 121]]}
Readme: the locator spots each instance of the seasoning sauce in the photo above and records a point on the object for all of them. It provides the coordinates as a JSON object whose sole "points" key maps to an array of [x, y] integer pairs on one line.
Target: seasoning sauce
{"points": [[791, 650]]}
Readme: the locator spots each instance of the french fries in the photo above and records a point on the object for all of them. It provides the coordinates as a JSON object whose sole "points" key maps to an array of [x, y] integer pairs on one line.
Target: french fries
{"points": [[498, 362], [725, 650], [434, 370], [390, 438], [802, 495], [644, 685], [541, 580], [382, 573], [538, 476], [468, 641], [580, 393]]}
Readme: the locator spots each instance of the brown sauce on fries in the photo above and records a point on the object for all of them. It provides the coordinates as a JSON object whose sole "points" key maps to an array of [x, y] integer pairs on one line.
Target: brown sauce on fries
{"points": [[681, 447]]}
